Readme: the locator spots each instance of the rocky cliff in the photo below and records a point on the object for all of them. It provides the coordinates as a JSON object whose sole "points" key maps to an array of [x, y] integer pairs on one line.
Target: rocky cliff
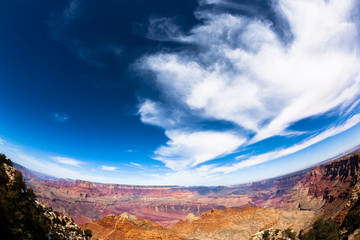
{"points": [[329, 190], [23, 217]]}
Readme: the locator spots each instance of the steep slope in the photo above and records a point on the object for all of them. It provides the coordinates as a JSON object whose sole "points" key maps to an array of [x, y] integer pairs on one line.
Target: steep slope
{"points": [[23, 217], [329, 190]]}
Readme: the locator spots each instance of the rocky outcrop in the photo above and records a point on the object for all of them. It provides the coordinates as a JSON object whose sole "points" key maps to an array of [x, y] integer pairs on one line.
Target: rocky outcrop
{"points": [[63, 226], [23, 217]]}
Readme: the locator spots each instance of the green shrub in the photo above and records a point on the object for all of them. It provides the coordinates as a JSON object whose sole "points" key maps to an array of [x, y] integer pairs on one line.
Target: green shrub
{"points": [[88, 233], [4, 159], [266, 235], [352, 219], [290, 234], [322, 229]]}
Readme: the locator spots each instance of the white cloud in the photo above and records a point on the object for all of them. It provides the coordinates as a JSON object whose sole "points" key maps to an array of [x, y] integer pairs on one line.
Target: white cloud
{"points": [[108, 168], [247, 75], [68, 161], [188, 149], [154, 113], [60, 117]]}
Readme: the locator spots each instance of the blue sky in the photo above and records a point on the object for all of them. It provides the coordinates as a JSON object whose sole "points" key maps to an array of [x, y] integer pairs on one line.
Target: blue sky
{"points": [[195, 92]]}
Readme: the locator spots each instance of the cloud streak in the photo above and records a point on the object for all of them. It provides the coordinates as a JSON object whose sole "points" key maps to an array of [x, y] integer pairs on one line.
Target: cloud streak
{"points": [[244, 73], [68, 161]]}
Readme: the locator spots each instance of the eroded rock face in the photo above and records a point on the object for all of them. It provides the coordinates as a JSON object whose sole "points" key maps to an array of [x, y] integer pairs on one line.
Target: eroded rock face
{"points": [[228, 224], [85, 201], [231, 223], [62, 226]]}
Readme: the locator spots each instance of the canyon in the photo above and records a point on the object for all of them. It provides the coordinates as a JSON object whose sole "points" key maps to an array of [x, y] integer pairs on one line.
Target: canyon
{"points": [[295, 201]]}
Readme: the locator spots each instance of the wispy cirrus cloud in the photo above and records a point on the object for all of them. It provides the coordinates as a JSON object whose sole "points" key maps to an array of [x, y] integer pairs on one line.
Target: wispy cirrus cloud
{"points": [[68, 161], [243, 72], [255, 160], [109, 168], [88, 47], [136, 164]]}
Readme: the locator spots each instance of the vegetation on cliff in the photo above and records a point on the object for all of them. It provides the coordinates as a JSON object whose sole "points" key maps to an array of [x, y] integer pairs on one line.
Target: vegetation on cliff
{"points": [[19, 217], [352, 220], [22, 217], [322, 229]]}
